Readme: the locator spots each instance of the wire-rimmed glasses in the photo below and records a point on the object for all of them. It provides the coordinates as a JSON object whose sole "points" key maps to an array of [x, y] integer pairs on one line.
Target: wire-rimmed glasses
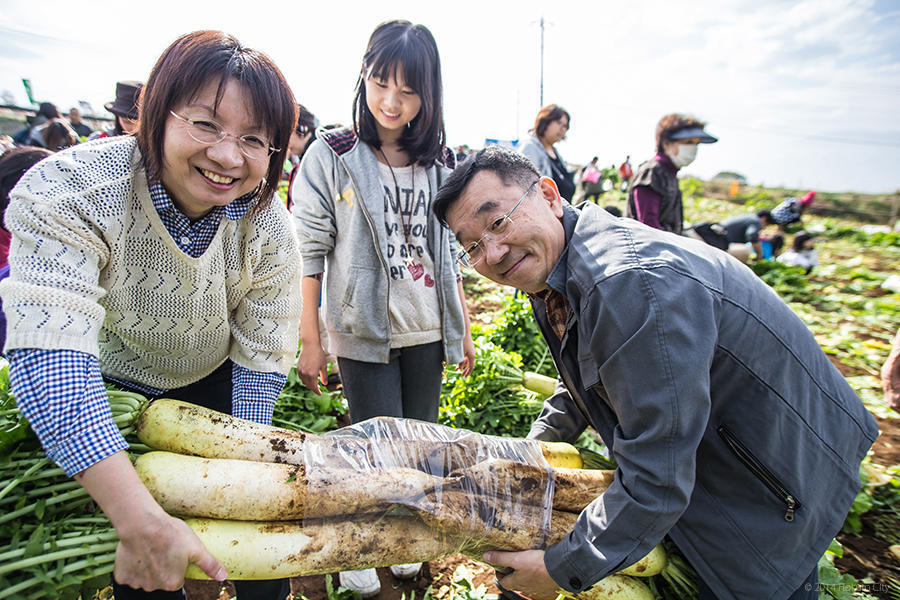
{"points": [[209, 133], [499, 229]]}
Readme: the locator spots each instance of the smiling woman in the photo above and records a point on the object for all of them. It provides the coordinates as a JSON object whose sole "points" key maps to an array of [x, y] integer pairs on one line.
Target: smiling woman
{"points": [[161, 262]]}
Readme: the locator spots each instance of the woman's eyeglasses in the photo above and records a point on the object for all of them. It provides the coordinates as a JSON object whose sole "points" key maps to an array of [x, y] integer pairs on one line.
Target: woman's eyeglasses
{"points": [[210, 132]]}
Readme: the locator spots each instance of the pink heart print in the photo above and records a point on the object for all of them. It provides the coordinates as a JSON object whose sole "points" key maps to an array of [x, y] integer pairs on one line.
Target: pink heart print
{"points": [[429, 282], [416, 270]]}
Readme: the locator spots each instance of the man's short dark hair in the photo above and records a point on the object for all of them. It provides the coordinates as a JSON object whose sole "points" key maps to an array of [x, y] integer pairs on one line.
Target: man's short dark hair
{"points": [[765, 214], [510, 166]]}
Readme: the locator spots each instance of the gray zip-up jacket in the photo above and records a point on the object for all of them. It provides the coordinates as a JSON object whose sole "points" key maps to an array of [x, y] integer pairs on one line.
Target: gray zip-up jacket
{"points": [[733, 432], [339, 216]]}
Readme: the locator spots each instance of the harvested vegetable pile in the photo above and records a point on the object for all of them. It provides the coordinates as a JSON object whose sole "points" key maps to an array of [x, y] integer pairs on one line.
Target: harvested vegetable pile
{"points": [[270, 502], [54, 542]]}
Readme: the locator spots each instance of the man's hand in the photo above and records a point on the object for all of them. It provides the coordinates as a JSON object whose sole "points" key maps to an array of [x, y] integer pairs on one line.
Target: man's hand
{"points": [[890, 376], [312, 366], [529, 576]]}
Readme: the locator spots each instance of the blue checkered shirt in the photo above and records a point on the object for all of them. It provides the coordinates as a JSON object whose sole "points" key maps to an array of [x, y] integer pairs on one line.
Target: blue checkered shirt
{"points": [[61, 392]]}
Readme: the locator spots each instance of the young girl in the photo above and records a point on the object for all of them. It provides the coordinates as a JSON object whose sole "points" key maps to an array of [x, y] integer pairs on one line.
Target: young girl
{"points": [[394, 306]]}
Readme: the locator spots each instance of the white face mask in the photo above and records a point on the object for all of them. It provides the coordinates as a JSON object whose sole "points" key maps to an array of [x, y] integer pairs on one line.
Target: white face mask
{"points": [[686, 155]]}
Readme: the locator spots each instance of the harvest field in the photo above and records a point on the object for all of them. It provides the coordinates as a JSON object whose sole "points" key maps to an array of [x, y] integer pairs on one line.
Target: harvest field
{"points": [[843, 302]]}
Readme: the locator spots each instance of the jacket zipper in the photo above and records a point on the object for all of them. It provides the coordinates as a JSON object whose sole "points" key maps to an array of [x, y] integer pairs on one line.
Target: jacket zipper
{"points": [[371, 223], [761, 472]]}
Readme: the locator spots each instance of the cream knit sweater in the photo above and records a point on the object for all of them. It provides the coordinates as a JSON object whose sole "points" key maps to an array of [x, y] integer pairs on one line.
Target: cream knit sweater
{"points": [[93, 268]]}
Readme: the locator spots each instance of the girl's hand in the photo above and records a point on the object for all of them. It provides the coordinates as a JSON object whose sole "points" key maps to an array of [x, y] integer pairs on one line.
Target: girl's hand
{"points": [[312, 366], [467, 364], [529, 574]]}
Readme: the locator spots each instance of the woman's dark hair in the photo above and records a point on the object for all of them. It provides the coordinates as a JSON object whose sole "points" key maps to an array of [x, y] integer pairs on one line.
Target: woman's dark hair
{"points": [[58, 135], [306, 124], [401, 48], [547, 115], [306, 121], [13, 164], [800, 239], [193, 61], [669, 124], [117, 126], [49, 111]]}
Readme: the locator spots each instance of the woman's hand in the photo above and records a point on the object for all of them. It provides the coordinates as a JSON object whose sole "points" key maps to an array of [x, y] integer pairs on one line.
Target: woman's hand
{"points": [[468, 363], [312, 366], [154, 549], [529, 574]]}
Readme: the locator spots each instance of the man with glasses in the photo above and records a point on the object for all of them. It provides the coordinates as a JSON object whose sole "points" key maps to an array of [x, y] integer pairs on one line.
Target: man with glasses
{"points": [[733, 433]]}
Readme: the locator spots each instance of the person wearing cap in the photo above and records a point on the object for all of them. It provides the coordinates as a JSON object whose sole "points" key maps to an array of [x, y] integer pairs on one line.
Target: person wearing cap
{"points": [[790, 210], [125, 109], [734, 434], [653, 194]]}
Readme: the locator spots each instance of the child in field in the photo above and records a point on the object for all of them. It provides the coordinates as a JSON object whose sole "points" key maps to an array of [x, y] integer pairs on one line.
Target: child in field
{"points": [[802, 253], [394, 305]]}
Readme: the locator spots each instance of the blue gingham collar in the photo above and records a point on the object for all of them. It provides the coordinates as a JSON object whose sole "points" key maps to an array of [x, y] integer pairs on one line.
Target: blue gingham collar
{"points": [[233, 211]]}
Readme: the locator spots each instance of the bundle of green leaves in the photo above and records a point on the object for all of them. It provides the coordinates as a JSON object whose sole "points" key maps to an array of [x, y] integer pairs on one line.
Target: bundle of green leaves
{"points": [[299, 408], [491, 400], [515, 330]]}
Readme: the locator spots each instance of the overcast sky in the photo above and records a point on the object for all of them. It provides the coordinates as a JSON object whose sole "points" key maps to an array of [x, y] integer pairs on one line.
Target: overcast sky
{"points": [[801, 94]]}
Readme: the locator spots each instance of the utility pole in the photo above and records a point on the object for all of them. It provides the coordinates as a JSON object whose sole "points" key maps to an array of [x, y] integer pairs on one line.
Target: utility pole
{"points": [[542, 61]]}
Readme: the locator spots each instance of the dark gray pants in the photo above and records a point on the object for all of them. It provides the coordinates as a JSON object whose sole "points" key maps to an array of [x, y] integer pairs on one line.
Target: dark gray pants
{"points": [[408, 386]]}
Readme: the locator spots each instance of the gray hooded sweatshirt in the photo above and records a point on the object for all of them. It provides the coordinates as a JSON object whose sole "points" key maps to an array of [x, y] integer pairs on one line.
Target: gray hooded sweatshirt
{"points": [[339, 217]]}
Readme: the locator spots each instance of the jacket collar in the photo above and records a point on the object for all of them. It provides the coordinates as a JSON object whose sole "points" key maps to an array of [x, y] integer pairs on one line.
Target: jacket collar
{"points": [[558, 276]]}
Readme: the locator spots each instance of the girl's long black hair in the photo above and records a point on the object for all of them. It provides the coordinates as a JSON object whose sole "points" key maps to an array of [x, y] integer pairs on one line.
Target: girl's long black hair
{"points": [[399, 47]]}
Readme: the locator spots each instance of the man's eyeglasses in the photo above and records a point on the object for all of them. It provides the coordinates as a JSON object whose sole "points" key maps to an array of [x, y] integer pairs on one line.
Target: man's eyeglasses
{"points": [[210, 132], [499, 229]]}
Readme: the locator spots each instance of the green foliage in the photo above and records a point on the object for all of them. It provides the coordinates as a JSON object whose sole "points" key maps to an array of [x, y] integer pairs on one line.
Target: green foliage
{"points": [[690, 187], [462, 588], [340, 593], [516, 330], [836, 585], [299, 408], [13, 426], [491, 400], [788, 281], [861, 505], [854, 233], [730, 175]]}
